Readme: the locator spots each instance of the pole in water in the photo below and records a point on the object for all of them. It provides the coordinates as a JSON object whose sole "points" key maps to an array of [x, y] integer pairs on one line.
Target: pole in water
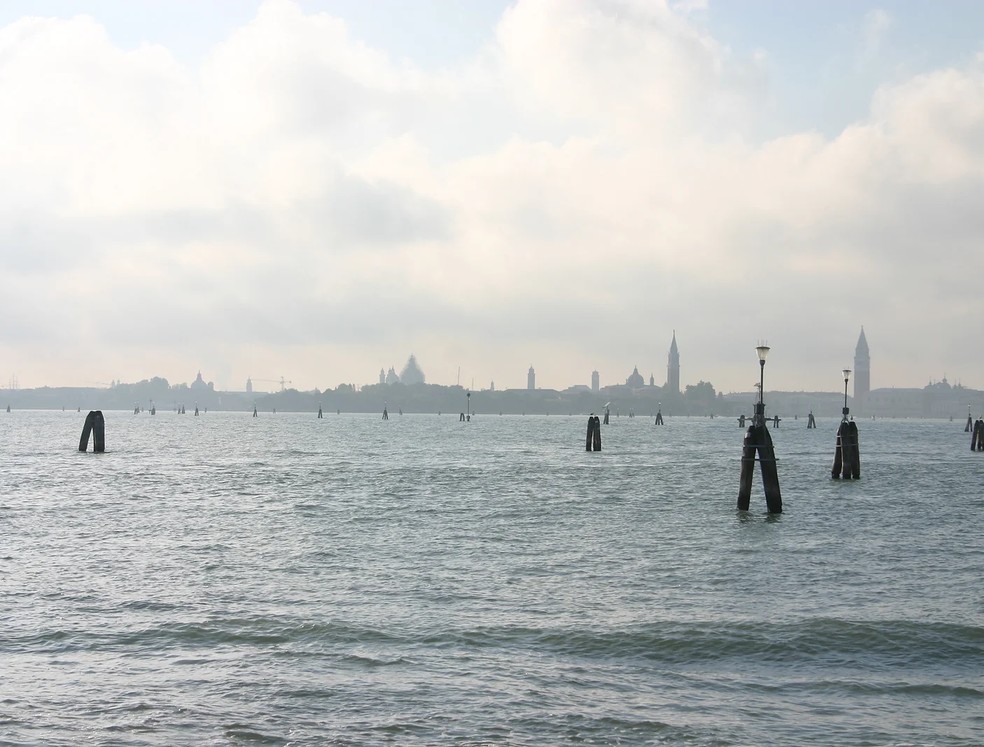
{"points": [[320, 414], [95, 425], [254, 411], [386, 415], [977, 437], [607, 412], [758, 441], [847, 454], [659, 413], [592, 441], [812, 421], [967, 429]]}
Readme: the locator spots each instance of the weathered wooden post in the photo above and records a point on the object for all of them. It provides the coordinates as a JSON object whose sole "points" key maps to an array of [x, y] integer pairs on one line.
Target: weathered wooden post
{"points": [[741, 421], [95, 425], [386, 415], [970, 421], [659, 413], [592, 441], [606, 414], [812, 421], [977, 437], [254, 411], [758, 440], [847, 453], [320, 413]]}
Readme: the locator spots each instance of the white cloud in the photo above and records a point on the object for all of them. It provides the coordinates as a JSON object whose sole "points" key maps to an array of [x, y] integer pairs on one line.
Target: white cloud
{"points": [[568, 198]]}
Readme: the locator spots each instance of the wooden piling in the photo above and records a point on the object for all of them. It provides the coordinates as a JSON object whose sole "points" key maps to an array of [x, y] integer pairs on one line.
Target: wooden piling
{"points": [[847, 453], [970, 424], [659, 417], [977, 437], [770, 473], [606, 415], [758, 441], [95, 425], [812, 421], [320, 414], [747, 467], [592, 441]]}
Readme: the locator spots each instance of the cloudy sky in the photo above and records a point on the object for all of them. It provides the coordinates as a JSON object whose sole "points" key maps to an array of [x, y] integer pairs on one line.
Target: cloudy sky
{"points": [[316, 189]]}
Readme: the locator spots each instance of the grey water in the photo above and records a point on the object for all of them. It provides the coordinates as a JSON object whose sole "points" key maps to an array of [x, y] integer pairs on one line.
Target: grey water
{"points": [[285, 580]]}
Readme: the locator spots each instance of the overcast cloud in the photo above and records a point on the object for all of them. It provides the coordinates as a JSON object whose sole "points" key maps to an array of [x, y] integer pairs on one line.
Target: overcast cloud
{"points": [[592, 175]]}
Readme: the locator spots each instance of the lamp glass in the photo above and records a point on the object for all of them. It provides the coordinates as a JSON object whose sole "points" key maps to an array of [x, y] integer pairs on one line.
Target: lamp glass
{"points": [[847, 373], [763, 351]]}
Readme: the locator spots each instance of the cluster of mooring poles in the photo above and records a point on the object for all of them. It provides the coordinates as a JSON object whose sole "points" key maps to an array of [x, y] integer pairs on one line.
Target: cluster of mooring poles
{"points": [[847, 455], [811, 421], [759, 441], [970, 421], [96, 425], [659, 413], [977, 436], [466, 416], [592, 441]]}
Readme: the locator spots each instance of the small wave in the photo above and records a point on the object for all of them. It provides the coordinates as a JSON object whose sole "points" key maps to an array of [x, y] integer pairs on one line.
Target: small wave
{"points": [[883, 643]]}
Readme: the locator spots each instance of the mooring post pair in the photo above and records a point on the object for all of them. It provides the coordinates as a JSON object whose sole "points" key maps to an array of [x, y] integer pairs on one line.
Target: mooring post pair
{"points": [[592, 441], [847, 454], [977, 437], [95, 425], [758, 441]]}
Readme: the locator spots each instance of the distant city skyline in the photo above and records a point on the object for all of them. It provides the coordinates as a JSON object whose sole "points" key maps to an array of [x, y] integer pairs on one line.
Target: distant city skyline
{"points": [[310, 190], [412, 373]]}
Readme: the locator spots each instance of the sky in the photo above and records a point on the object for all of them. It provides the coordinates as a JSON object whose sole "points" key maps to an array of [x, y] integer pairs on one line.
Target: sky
{"points": [[313, 190]]}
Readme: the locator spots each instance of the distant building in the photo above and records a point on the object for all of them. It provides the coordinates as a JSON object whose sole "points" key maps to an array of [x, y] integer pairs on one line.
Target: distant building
{"points": [[531, 379], [382, 376], [249, 385], [652, 380], [673, 368], [392, 377], [199, 384], [862, 371], [412, 373], [595, 381], [635, 379]]}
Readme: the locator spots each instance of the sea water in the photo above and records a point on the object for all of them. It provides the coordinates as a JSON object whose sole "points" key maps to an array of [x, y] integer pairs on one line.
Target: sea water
{"points": [[284, 579]]}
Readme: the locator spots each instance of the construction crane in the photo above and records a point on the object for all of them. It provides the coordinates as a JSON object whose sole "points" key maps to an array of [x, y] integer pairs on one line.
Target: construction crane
{"points": [[282, 381]]}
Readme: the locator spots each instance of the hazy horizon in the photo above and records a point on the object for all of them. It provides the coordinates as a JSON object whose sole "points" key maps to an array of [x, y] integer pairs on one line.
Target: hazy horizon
{"points": [[317, 189]]}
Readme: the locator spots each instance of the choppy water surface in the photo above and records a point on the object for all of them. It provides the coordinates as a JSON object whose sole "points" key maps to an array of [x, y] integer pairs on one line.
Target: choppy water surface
{"points": [[286, 580]]}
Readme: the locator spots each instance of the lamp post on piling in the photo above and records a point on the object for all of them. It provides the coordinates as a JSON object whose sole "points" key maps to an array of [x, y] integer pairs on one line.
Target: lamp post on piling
{"points": [[845, 411], [468, 404], [763, 351], [847, 455], [758, 443]]}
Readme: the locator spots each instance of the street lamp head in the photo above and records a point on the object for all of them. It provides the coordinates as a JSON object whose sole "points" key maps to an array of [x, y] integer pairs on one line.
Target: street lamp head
{"points": [[763, 351], [847, 373]]}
